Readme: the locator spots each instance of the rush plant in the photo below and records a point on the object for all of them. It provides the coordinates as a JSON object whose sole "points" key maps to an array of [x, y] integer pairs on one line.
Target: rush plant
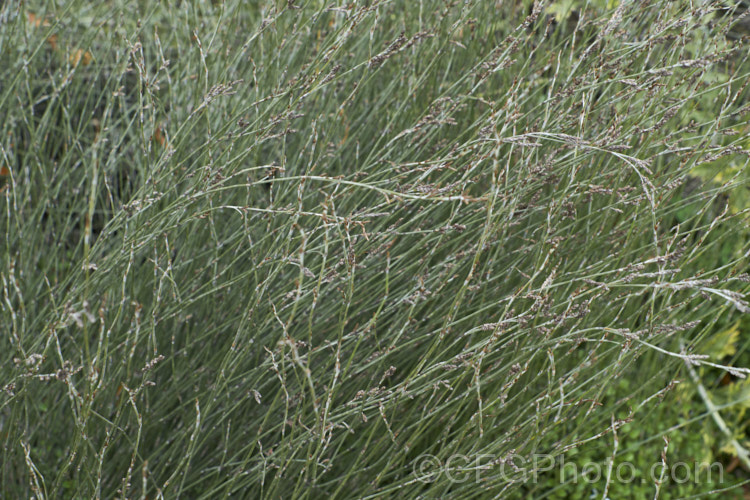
{"points": [[285, 249]]}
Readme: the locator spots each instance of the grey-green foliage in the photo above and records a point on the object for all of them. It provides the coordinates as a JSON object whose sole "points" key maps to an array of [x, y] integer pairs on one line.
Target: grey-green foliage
{"points": [[284, 249]]}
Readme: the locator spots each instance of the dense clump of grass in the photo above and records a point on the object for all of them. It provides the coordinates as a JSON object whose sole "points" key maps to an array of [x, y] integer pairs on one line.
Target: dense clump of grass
{"points": [[285, 249]]}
